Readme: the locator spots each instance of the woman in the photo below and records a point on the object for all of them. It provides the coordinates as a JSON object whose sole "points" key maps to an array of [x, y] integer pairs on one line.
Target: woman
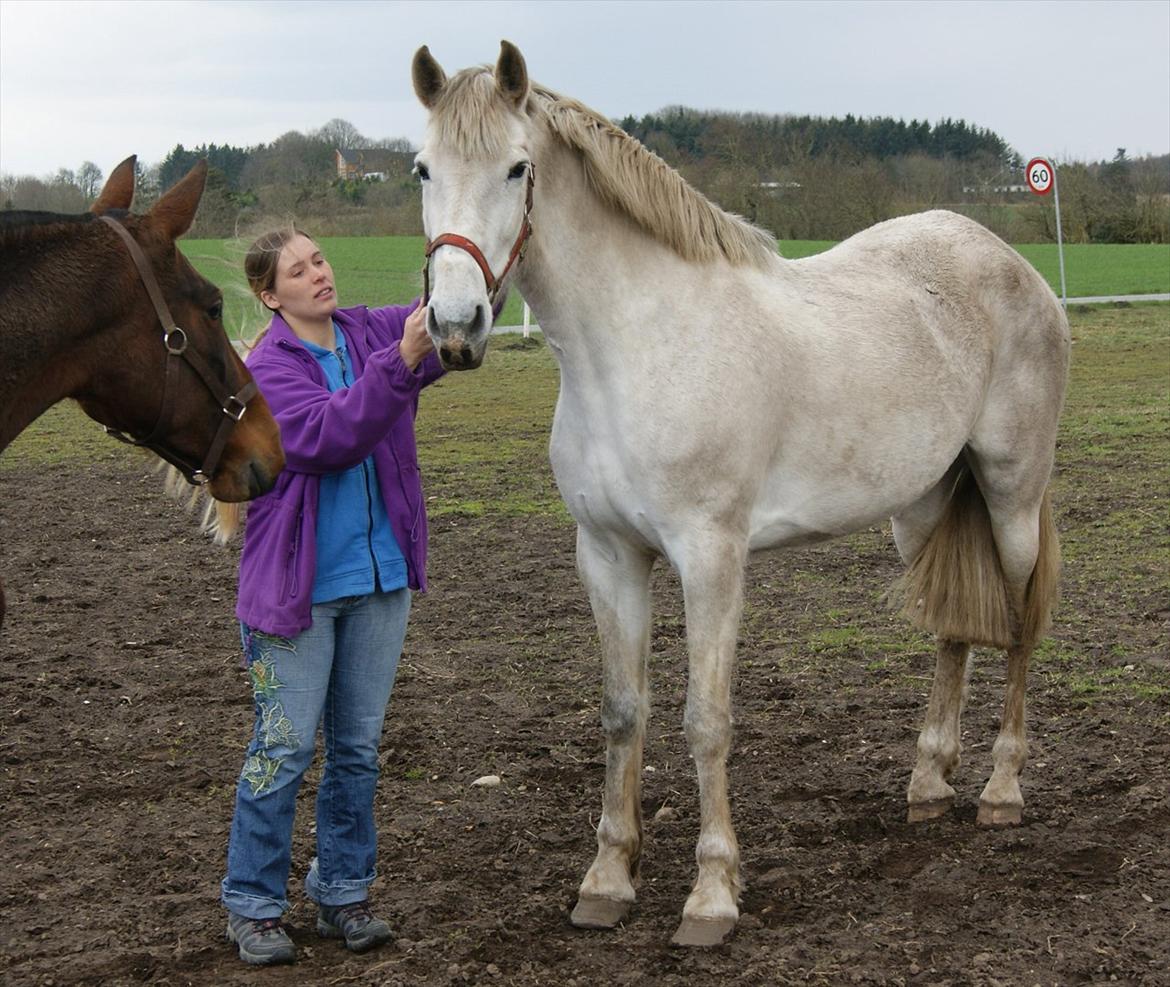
{"points": [[330, 557]]}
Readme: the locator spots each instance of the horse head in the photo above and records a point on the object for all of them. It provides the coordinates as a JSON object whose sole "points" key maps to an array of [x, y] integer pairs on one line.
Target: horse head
{"points": [[477, 185], [180, 389]]}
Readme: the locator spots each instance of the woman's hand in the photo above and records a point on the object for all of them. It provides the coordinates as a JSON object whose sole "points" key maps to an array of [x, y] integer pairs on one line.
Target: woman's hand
{"points": [[415, 344]]}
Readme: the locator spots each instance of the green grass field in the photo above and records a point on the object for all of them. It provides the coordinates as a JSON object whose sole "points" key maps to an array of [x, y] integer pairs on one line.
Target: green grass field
{"points": [[1090, 268], [385, 271]]}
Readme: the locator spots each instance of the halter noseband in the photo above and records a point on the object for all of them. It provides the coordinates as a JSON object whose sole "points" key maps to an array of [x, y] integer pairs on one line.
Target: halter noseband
{"points": [[455, 240], [175, 341]]}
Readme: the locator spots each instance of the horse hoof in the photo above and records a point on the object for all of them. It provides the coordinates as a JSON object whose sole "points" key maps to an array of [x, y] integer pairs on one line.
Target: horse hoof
{"points": [[922, 811], [702, 931], [998, 815], [599, 913]]}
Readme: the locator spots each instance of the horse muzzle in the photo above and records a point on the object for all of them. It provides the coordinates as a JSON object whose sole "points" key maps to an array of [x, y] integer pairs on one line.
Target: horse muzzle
{"points": [[461, 344]]}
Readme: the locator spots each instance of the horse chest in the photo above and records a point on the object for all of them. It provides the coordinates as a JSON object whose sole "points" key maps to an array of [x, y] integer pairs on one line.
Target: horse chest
{"points": [[604, 481]]}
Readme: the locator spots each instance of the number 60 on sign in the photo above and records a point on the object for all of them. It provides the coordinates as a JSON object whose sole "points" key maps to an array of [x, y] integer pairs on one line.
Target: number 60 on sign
{"points": [[1038, 175]]}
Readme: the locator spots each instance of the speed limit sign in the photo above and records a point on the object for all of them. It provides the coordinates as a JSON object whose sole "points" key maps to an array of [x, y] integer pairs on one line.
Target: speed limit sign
{"points": [[1041, 179], [1038, 175]]}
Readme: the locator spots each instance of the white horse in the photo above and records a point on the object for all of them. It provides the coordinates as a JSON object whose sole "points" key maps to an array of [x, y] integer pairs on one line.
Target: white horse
{"points": [[717, 400]]}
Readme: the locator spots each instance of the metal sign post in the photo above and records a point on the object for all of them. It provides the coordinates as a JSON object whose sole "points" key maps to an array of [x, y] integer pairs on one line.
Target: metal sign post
{"points": [[1041, 178]]}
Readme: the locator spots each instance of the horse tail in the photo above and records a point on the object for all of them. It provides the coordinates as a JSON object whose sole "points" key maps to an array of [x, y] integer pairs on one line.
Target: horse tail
{"points": [[955, 587]]}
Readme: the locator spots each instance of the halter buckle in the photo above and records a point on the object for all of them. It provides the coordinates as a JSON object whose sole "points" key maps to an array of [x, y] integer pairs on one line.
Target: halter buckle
{"points": [[234, 408]]}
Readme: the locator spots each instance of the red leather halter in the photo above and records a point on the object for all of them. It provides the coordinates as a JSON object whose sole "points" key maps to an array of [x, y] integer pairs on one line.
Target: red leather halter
{"points": [[455, 240]]}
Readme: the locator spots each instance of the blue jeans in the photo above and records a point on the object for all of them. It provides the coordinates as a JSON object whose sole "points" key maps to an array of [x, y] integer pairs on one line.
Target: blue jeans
{"points": [[338, 674]]}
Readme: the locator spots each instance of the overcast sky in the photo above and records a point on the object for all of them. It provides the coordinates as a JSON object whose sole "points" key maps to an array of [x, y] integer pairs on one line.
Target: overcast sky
{"points": [[98, 81]]}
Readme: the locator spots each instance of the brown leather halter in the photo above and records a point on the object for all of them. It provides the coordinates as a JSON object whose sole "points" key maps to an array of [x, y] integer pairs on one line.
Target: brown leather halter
{"points": [[175, 341], [455, 240]]}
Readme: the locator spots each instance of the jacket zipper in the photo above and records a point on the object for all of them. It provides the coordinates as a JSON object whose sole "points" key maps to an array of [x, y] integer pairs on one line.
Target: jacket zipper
{"points": [[291, 583], [365, 485], [409, 552]]}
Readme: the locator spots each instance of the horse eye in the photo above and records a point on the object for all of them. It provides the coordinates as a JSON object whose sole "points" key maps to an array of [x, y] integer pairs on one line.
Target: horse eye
{"points": [[423, 172], [518, 170], [215, 313]]}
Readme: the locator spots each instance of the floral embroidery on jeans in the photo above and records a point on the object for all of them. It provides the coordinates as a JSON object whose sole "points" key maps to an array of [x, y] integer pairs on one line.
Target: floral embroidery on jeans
{"points": [[275, 728], [264, 680], [260, 771]]}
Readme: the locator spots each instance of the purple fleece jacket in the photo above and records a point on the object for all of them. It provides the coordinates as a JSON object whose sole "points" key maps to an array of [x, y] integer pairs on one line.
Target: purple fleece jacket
{"points": [[325, 432]]}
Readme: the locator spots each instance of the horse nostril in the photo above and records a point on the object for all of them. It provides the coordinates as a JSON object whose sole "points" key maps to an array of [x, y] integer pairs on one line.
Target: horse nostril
{"points": [[445, 353], [466, 354]]}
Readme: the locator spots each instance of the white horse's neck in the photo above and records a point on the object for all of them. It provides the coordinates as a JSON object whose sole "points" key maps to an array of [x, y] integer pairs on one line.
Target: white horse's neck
{"points": [[590, 271]]}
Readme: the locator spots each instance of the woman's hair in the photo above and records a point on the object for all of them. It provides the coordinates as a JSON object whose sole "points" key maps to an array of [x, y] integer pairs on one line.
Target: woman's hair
{"points": [[263, 256]]}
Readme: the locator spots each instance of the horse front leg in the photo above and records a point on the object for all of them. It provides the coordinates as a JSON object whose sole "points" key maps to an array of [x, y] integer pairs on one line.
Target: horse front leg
{"points": [[712, 582], [617, 576]]}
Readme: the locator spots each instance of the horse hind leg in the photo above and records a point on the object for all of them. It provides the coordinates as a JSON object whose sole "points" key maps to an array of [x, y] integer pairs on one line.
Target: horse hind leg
{"points": [[987, 574], [930, 794], [617, 577], [1030, 555], [1011, 451]]}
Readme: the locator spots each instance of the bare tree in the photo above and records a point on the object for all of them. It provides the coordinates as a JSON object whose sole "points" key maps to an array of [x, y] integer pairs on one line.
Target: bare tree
{"points": [[340, 134], [89, 180]]}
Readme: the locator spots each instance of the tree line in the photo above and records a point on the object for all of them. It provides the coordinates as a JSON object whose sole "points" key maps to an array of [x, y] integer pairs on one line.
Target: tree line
{"points": [[802, 177]]}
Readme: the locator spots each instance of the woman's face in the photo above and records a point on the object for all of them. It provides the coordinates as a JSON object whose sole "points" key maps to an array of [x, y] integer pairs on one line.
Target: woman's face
{"points": [[303, 289]]}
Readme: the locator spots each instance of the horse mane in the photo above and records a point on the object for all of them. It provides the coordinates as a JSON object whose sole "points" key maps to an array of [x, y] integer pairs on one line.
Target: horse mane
{"points": [[19, 218], [24, 226], [620, 169]]}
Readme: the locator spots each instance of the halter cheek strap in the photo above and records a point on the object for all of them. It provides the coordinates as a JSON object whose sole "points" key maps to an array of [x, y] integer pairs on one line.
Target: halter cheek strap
{"points": [[175, 342], [494, 284]]}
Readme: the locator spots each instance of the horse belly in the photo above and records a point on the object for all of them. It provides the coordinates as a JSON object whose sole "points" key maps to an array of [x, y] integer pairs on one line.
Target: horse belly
{"points": [[821, 498]]}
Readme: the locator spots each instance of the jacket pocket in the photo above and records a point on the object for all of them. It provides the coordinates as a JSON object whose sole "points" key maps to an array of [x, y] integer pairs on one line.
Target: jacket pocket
{"points": [[289, 583]]}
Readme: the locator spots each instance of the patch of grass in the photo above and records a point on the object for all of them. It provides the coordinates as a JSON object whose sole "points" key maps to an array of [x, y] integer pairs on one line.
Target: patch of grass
{"points": [[1091, 269], [64, 435], [1103, 268], [1088, 683]]}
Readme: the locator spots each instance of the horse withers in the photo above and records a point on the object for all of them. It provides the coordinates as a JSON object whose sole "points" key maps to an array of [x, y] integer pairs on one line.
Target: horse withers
{"points": [[104, 308], [717, 400]]}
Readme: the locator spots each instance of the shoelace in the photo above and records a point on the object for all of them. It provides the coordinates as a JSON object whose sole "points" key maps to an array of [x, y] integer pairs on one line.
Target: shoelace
{"points": [[358, 911], [266, 925]]}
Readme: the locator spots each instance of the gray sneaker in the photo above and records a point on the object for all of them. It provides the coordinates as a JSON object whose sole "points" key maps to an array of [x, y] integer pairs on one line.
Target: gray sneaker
{"points": [[262, 941], [354, 923]]}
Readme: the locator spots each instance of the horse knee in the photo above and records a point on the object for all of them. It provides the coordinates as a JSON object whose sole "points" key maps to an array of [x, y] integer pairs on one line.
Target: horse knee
{"points": [[708, 731], [623, 716]]}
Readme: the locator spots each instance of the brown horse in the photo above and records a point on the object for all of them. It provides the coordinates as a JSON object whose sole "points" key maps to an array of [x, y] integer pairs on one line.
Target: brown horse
{"points": [[105, 309]]}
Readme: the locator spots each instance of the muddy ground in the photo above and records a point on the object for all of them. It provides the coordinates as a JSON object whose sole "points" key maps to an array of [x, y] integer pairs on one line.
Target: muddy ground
{"points": [[124, 714]]}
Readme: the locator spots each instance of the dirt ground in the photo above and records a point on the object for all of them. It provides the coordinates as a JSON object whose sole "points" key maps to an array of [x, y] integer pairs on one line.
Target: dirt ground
{"points": [[124, 715]]}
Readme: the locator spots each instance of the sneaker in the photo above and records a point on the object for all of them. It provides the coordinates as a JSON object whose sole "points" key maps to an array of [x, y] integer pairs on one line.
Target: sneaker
{"points": [[262, 941], [354, 923]]}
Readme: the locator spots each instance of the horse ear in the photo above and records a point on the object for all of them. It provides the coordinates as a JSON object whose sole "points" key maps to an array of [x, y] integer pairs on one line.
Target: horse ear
{"points": [[512, 74], [429, 77], [118, 192], [175, 211]]}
